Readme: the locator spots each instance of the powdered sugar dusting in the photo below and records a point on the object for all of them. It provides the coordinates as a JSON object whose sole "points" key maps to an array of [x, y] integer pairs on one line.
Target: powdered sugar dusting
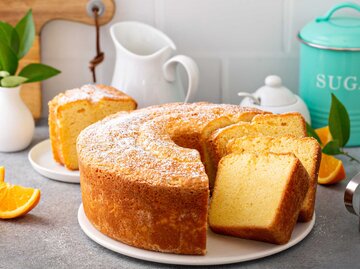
{"points": [[139, 144], [92, 93]]}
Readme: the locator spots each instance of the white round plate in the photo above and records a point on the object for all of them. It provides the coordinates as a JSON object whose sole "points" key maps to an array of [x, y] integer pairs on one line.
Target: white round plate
{"points": [[220, 249], [41, 159]]}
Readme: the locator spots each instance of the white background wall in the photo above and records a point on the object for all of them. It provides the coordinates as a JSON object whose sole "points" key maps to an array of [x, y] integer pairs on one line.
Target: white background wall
{"points": [[236, 43]]}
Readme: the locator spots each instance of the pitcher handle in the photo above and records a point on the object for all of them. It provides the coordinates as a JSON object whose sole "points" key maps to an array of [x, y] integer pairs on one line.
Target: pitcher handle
{"points": [[192, 71]]}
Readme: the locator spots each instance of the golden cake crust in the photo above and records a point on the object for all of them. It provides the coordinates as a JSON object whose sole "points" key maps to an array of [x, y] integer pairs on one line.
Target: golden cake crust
{"points": [[139, 186], [91, 93]]}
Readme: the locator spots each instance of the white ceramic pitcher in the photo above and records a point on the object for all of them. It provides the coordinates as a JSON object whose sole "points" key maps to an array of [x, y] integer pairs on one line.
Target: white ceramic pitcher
{"points": [[145, 67]]}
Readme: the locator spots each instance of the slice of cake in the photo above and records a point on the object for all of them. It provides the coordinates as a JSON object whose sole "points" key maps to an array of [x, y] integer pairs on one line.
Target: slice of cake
{"points": [[307, 150], [274, 125], [74, 110], [258, 196], [214, 125]]}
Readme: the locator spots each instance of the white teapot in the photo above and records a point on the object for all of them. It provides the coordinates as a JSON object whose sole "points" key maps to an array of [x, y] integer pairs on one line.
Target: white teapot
{"points": [[276, 98]]}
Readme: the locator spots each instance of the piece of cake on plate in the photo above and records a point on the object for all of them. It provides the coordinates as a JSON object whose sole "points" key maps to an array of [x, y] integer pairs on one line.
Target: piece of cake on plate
{"points": [[72, 111]]}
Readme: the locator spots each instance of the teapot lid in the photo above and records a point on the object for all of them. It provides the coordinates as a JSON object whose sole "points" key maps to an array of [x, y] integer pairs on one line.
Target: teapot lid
{"points": [[274, 93]]}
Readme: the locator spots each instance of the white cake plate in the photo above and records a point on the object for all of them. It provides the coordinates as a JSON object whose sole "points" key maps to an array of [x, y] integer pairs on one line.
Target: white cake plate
{"points": [[220, 249], [41, 159]]}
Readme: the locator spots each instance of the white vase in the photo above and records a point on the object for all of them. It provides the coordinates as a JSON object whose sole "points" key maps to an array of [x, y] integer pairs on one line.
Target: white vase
{"points": [[16, 121]]}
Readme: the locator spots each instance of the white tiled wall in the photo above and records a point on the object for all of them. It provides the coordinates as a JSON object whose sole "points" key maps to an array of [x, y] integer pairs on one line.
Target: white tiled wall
{"points": [[236, 43]]}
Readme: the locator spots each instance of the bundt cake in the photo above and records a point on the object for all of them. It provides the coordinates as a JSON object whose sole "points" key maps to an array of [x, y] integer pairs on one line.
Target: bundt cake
{"points": [[258, 196], [143, 183], [307, 150], [72, 111]]}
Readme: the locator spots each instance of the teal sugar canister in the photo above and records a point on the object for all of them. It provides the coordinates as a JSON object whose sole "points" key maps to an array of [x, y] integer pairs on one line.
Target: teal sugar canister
{"points": [[330, 63]]}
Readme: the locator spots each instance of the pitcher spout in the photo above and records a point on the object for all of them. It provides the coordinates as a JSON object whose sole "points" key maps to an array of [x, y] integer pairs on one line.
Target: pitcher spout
{"points": [[140, 40]]}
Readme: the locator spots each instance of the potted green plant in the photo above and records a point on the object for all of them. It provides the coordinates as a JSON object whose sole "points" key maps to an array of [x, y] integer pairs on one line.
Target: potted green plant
{"points": [[16, 120]]}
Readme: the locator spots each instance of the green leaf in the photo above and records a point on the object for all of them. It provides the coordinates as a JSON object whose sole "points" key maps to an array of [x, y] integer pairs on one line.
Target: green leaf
{"points": [[339, 122], [8, 60], [26, 31], [12, 81], [9, 36], [5, 32], [15, 42], [38, 72], [332, 148], [4, 74], [311, 132]]}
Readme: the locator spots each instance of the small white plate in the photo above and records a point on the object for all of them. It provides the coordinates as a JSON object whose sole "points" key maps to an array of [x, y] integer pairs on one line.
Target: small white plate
{"points": [[41, 159], [220, 249]]}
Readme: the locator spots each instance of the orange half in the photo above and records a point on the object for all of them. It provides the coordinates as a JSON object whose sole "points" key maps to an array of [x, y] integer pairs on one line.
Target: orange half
{"points": [[331, 169], [16, 201]]}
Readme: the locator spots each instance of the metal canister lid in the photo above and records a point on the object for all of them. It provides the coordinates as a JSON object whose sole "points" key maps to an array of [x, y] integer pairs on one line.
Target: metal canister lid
{"points": [[335, 33]]}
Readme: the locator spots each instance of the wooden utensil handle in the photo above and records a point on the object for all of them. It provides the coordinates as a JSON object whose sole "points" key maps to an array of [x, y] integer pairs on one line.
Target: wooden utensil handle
{"points": [[47, 10]]}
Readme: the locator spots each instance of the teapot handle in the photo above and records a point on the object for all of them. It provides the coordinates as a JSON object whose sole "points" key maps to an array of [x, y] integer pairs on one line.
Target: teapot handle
{"points": [[255, 100], [192, 71]]}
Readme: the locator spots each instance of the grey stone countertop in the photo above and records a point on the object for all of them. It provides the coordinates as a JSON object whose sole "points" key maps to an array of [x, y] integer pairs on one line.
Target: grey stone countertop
{"points": [[50, 236]]}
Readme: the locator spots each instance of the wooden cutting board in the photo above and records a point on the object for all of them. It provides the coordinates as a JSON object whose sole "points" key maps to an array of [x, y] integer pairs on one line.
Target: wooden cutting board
{"points": [[44, 11]]}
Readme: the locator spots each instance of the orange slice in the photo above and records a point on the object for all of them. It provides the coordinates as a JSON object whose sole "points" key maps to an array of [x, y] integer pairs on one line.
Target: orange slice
{"points": [[16, 201], [324, 134], [331, 170], [2, 173]]}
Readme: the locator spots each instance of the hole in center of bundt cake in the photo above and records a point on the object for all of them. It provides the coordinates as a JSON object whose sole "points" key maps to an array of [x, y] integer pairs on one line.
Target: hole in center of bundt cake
{"points": [[190, 141], [196, 142]]}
